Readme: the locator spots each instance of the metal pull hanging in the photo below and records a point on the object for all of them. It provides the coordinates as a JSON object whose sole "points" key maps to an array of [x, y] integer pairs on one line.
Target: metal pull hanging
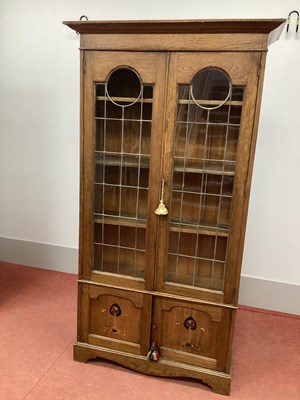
{"points": [[162, 209]]}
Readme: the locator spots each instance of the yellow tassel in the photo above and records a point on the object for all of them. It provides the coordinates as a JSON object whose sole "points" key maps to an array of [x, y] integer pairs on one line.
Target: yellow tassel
{"points": [[161, 209]]}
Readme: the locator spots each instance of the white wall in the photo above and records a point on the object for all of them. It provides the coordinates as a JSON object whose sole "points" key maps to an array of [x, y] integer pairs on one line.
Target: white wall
{"points": [[39, 125], [273, 234]]}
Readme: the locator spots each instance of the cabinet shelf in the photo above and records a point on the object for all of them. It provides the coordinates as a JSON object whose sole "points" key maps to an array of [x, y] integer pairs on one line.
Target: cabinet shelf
{"points": [[211, 102], [200, 229], [193, 192], [120, 221], [117, 247], [143, 161], [174, 227], [206, 170], [204, 166], [125, 271], [204, 283], [124, 159]]}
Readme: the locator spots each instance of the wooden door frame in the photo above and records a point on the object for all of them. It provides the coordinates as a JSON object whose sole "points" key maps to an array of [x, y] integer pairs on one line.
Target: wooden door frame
{"points": [[243, 70], [96, 67]]}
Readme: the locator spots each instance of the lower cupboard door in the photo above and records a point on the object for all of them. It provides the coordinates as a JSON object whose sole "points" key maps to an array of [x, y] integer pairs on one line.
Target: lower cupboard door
{"points": [[115, 319], [196, 334]]}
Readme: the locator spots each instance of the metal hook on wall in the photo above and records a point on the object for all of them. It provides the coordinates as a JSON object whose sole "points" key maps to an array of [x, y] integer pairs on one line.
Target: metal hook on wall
{"points": [[289, 20]]}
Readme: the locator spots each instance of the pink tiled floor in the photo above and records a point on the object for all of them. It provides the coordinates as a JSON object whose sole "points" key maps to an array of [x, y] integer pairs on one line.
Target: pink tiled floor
{"points": [[38, 328]]}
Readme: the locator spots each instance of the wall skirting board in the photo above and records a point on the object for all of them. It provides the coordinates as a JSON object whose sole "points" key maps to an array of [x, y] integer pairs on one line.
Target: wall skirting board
{"points": [[271, 295], [42, 255], [254, 292]]}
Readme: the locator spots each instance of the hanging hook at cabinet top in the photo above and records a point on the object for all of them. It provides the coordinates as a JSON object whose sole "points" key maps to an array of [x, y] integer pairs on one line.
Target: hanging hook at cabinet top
{"points": [[289, 20], [81, 19]]}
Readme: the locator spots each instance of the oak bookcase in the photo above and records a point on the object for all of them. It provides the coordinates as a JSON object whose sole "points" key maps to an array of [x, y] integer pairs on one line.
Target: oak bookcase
{"points": [[169, 119]]}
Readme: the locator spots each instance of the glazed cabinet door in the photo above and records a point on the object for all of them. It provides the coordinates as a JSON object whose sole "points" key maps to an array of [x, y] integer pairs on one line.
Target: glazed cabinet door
{"points": [[123, 102], [210, 113]]}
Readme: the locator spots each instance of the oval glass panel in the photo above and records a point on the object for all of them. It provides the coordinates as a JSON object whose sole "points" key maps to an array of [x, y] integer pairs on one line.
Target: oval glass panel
{"points": [[124, 87], [211, 88]]}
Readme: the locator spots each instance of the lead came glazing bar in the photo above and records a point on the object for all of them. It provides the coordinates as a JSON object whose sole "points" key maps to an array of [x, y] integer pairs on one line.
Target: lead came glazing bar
{"points": [[204, 193], [121, 218], [195, 154], [182, 187], [125, 119], [138, 178], [121, 165], [198, 258], [220, 201], [120, 190], [202, 196], [103, 175]]}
